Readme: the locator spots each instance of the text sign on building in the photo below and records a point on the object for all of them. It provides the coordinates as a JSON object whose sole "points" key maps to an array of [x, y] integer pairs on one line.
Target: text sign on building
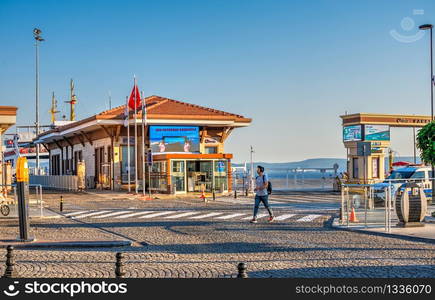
{"points": [[363, 149], [174, 139]]}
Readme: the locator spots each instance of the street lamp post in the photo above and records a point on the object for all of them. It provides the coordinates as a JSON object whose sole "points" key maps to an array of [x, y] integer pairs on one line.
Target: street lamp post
{"points": [[430, 27], [38, 38]]}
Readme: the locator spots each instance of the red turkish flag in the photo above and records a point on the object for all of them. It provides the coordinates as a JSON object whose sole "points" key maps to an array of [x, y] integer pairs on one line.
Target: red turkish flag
{"points": [[134, 102]]}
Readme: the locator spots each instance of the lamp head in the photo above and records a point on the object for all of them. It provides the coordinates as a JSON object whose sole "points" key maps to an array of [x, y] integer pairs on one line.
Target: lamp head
{"points": [[425, 26]]}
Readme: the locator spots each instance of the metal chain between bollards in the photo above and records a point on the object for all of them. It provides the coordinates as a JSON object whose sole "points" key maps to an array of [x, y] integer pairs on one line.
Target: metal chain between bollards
{"points": [[241, 267], [119, 265], [10, 271]]}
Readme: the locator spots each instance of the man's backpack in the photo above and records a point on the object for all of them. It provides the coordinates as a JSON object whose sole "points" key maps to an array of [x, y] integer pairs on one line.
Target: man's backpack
{"points": [[269, 186]]}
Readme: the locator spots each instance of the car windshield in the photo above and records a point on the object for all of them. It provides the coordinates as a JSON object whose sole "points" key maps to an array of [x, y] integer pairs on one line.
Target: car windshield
{"points": [[400, 174]]}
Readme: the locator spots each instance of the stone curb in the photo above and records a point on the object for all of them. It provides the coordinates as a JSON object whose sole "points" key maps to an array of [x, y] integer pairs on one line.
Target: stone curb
{"points": [[384, 234], [67, 244]]}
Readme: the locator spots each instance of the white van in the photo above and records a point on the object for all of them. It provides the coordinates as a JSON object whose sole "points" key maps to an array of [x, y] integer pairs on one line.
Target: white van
{"points": [[398, 177]]}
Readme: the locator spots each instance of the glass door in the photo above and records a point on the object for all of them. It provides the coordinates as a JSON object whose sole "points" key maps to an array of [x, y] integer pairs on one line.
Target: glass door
{"points": [[178, 176]]}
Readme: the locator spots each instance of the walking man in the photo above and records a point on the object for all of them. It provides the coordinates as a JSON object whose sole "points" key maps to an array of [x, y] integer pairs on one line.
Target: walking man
{"points": [[261, 194]]}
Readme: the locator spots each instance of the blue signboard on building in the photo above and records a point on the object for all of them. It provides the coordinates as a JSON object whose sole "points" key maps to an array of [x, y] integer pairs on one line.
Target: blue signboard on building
{"points": [[174, 139]]}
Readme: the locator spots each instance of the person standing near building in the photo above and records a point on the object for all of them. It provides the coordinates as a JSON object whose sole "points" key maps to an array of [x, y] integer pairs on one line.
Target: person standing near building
{"points": [[261, 194]]}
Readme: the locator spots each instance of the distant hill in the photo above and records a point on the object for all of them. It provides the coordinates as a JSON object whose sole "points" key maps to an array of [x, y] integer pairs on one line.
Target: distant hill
{"points": [[308, 163], [315, 163]]}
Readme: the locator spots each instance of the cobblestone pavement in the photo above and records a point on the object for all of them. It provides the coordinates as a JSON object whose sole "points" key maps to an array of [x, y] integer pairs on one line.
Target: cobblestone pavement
{"points": [[212, 248]]}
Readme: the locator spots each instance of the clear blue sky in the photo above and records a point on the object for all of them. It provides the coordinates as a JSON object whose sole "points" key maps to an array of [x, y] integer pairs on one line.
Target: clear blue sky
{"points": [[292, 66]]}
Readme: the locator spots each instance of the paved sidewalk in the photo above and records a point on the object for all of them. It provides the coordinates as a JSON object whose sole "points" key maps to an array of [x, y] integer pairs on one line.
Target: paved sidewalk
{"points": [[426, 233]]}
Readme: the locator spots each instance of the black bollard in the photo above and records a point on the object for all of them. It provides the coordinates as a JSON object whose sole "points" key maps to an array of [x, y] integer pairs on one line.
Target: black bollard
{"points": [[340, 216], [241, 267], [214, 195], [61, 203], [119, 266], [10, 263], [235, 194]]}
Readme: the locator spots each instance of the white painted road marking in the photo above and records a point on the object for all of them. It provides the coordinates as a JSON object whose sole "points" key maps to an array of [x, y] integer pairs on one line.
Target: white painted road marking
{"points": [[308, 218], [156, 214], [112, 214], [134, 214], [182, 215], [77, 213], [230, 216], [284, 217], [258, 216], [207, 215], [90, 214]]}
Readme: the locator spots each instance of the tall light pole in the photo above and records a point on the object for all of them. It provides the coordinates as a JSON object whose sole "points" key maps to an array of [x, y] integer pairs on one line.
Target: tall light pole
{"points": [[37, 34], [430, 27], [251, 181]]}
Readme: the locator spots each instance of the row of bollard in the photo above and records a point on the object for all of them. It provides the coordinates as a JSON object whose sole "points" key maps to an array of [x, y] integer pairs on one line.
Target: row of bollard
{"points": [[10, 271], [120, 273]]}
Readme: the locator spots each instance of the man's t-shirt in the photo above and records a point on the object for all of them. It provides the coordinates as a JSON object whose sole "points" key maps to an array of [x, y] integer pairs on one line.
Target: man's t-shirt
{"points": [[259, 182]]}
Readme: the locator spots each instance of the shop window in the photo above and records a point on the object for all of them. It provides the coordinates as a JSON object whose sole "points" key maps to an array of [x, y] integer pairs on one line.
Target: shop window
{"points": [[124, 164], [220, 175], [211, 150], [177, 176]]}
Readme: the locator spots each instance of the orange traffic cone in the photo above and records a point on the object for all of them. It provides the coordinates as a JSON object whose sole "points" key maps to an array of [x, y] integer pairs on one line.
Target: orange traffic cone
{"points": [[353, 216]]}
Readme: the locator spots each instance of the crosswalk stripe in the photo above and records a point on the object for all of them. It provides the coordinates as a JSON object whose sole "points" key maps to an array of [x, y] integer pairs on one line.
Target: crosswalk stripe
{"points": [[90, 214], [111, 214], [308, 218], [182, 215], [77, 213], [207, 215], [284, 217], [258, 216], [156, 214], [230, 216], [134, 214]]}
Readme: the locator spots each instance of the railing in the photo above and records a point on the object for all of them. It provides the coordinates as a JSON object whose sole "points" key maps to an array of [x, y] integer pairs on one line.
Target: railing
{"points": [[374, 204], [58, 182], [9, 203]]}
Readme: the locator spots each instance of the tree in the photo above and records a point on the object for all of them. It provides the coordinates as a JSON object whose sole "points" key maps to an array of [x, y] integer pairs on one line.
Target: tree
{"points": [[426, 144]]}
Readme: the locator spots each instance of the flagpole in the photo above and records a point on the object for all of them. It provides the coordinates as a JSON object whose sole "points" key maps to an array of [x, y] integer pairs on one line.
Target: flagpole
{"points": [[143, 146], [135, 139], [128, 144]]}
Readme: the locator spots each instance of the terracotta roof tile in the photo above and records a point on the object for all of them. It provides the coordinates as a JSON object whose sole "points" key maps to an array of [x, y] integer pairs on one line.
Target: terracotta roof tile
{"points": [[162, 108]]}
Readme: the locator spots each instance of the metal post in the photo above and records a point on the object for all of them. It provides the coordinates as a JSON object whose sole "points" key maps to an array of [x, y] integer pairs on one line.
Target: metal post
{"points": [[61, 204], [287, 178], [347, 206], [128, 145], [241, 268], [22, 193], [251, 179], [10, 271], [432, 82], [342, 205], [119, 266], [143, 147], [365, 204]]}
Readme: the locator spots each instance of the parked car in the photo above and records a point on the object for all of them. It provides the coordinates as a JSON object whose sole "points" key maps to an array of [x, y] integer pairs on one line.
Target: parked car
{"points": [[398, 177]]}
